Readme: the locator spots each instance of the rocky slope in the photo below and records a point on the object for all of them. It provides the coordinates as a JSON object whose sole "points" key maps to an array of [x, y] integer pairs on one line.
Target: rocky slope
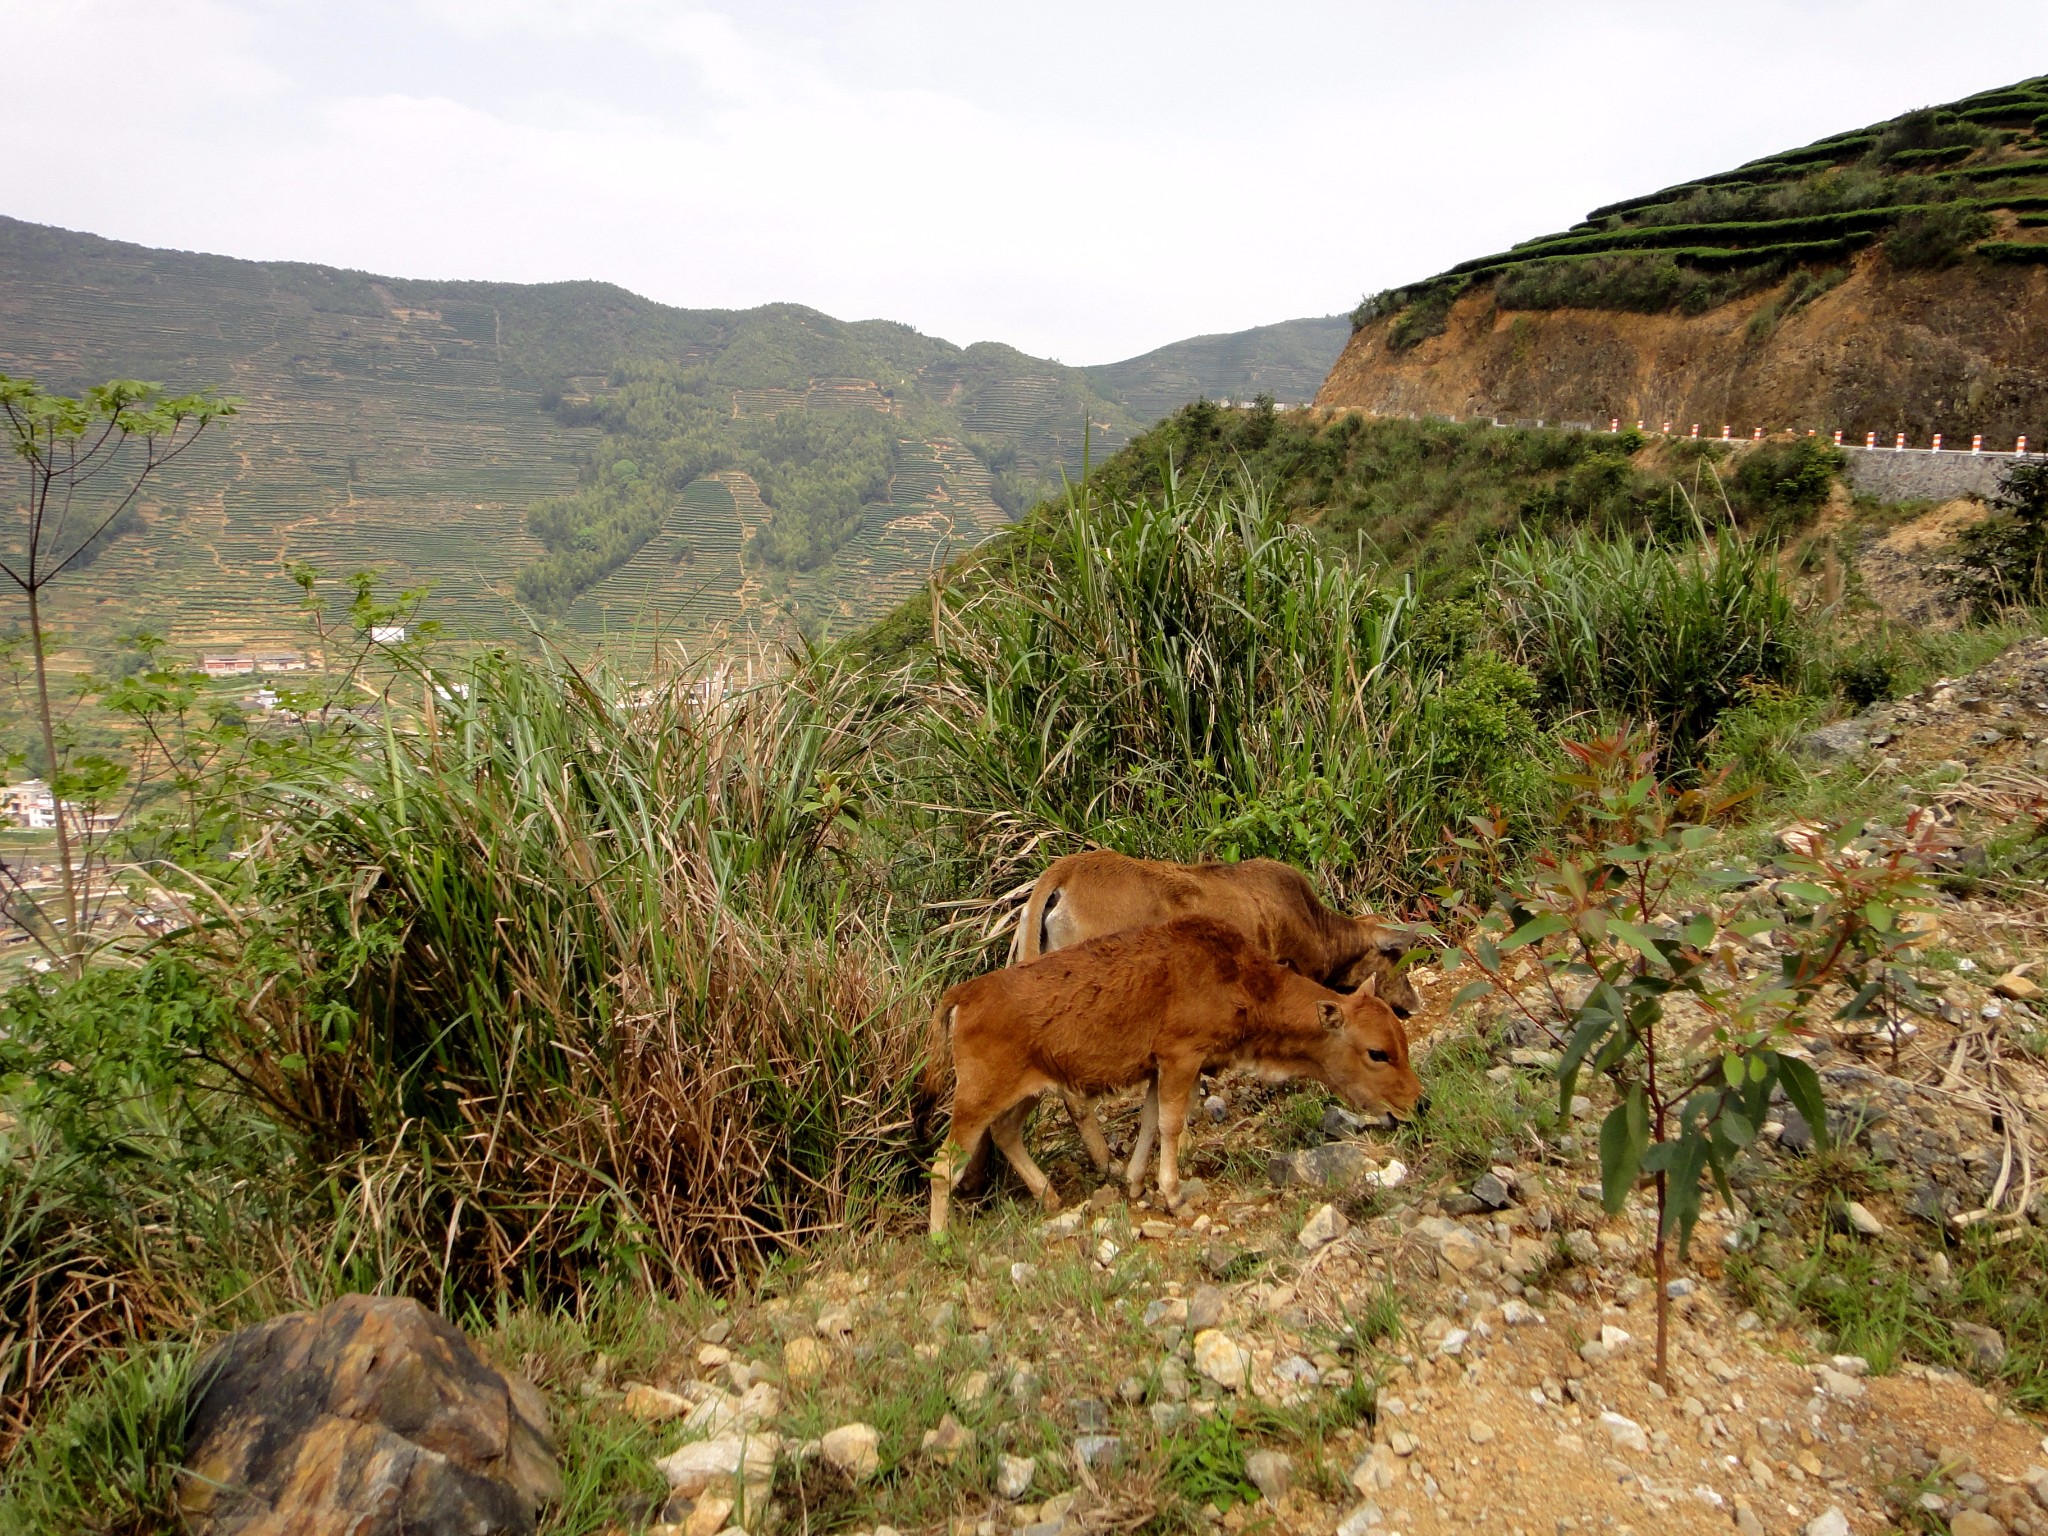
{"points": [[1958, 351]]}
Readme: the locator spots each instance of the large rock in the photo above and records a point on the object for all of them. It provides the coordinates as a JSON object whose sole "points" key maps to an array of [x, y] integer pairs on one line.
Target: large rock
{"points": [[372, 1416]]}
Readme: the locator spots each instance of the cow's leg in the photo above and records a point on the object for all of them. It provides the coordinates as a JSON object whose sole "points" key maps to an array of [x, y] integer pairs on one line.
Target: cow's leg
{"points": [[1007, 1130], [1082, 1108], [966, 1135], [1174, 1089], [1141, 1149]]}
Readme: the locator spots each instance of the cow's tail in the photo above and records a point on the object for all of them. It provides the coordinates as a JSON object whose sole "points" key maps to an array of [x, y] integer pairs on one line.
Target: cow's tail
{"points": [[938, 1052]]}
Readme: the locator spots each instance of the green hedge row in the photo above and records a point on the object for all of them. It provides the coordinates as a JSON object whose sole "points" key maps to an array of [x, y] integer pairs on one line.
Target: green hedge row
{"points": [[2015, 252]]}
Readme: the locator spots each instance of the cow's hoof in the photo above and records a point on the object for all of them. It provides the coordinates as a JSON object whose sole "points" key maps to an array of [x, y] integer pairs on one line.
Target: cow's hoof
{"points": [[1049, 1202]]}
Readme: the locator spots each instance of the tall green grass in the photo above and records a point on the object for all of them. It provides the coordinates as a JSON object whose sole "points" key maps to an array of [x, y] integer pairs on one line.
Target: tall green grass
{"points": [[1189, 674], [1676, 636], [570, 975]]}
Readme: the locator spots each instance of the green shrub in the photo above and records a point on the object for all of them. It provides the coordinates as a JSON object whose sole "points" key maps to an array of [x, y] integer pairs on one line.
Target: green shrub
{"points": [[1936, 237], [1870, 676], [1783, 484], [1664, 634], [2004, 560], [1429, 315]]}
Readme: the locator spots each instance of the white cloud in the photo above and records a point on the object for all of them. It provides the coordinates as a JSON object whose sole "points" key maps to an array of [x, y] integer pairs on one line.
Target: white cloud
{"points": [[1085, 181]]}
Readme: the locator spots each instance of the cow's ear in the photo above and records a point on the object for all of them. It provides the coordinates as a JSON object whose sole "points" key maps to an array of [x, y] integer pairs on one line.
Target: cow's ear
{"points": [[1393, 943], [1370, 987], [1331, 1015]]}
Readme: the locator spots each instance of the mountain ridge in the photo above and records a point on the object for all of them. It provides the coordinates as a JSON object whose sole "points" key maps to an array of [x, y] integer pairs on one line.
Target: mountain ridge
{"points": [[477, 438]]}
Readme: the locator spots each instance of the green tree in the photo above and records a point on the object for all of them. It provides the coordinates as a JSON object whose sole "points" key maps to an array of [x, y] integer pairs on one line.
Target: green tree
{"points": [[83, 463]]}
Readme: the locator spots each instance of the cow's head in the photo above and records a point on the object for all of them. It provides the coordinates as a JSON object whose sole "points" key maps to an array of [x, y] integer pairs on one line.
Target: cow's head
{"points": [[1365, 1054], [1379, 963]]}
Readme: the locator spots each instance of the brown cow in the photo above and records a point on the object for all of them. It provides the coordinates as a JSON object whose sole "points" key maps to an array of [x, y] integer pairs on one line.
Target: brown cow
{"points": [[1165, 1002], [1087, 895]]}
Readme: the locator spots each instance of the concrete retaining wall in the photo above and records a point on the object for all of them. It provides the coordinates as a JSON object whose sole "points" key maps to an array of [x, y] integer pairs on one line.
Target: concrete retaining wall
{"points": [[1918, 474]]}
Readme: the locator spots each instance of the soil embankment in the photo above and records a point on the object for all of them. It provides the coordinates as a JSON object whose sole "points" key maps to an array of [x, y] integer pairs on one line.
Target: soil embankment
{"points": [[1959, 351]]}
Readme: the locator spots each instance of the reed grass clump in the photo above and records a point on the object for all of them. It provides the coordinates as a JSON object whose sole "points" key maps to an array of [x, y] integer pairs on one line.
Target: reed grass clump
{"points": [[570, 976], [1673, 635], [1190, 675]]}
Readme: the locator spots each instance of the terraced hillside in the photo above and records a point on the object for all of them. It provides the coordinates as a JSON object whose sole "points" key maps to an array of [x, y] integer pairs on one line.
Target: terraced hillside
{"points": [[1894, 278], [414, 428]]}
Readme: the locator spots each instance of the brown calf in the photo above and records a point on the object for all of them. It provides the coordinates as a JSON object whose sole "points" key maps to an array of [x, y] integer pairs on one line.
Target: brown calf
{"points": [[1088, 895], [1165, 1002]]}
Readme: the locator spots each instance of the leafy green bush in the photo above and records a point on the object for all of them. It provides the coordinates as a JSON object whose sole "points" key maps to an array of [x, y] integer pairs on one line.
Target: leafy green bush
{"points": [[2004, 561], [1783, 484], [1936, 237], [1664, 634], [1429, 315]]}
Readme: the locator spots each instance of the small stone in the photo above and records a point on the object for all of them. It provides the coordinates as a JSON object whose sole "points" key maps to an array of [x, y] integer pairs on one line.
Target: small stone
{"points": [[1271, 1473], [1492, 1191], [1479, 1432], [1173, 1380], [1582, 1247], [1323, 1228], [1460, 1249], [804, 1359], [835, 1323], [1746, 1521], [718, 1464], [1401, 1443], [708, 1517], [712, 1357], [1517, 1313], [1025, 1390], [1022, 1273], [1205, 1307], [2017, 986], [1380, 1470], [1156, 1231], [853, 1449], [1066, 1224], [1014, 1475], [1614, 1338], [1339, 1122], [970, 1391], [1582, 1107], [1851, 1365], [1970, 1522], [1099, 1450], [1336, 1165], [1167, 1417], [1106, 1252], [1221, 1358], [651, 1405], [1987, 1345], [1167, 1312], [717, 1331], [1835, 1384], [1391, 1176], [1363, 1519], [948, 1441], [1216, 1107], [1676, 1289], [1625, 1432], [1454, 1342], [1861, 1221], [1297, 1371], [1091, 1415], [1831, 1523]]}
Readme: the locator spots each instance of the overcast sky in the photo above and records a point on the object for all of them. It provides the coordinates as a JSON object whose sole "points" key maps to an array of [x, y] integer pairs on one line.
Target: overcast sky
{"points": [[1083, 180]]}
